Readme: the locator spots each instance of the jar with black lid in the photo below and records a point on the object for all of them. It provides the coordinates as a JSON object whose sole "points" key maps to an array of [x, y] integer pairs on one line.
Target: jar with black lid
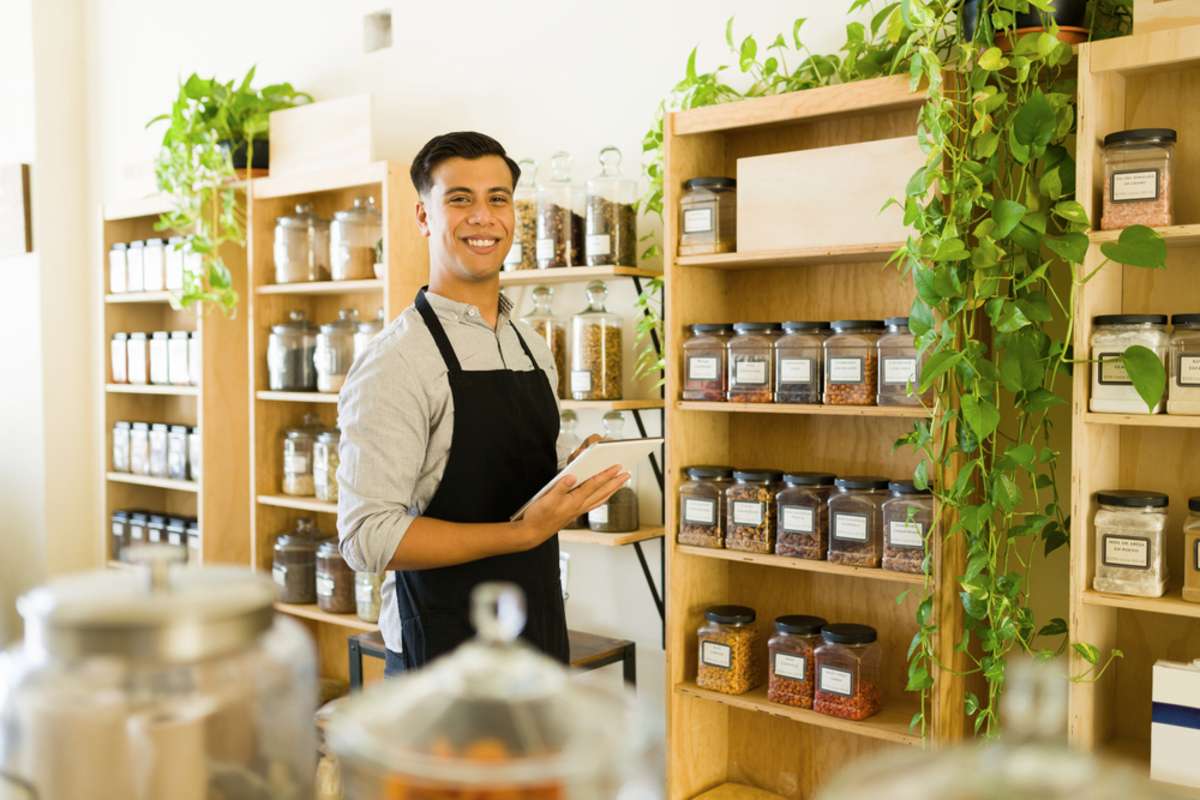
{"points": [[702, 506], [750, 522], [705, 354], [1139, 169], [1183, 366], [848, 672], [137, 527], [118, 271], [177, 535], [137, 358], [156, 529], [907, 519], [194, 553], [851, 362], [294, 568], [708, 216], [752, 362], [158, 450], [139, 448], [802, 527], [790, 663], [1130, 543], [855, 520], [120, 446], [120, 533], [177, 452], [899, 368], [730, 660], [335, 580], [119, 357], [1112, 334], [800, 362]]}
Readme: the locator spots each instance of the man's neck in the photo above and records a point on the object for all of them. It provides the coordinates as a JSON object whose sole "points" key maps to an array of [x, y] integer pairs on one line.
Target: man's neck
{"points": [[484, 294]]}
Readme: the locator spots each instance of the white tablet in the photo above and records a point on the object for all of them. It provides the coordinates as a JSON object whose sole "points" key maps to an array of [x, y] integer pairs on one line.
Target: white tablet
{"points": [[597, 458]]}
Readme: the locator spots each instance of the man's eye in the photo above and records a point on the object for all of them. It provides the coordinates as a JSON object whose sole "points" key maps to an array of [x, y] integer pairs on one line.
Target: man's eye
{"points": [[500, 199], [460, 199]]}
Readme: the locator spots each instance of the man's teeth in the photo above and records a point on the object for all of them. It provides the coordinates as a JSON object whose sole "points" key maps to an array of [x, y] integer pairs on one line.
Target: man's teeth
{"points": [[481, 242]]}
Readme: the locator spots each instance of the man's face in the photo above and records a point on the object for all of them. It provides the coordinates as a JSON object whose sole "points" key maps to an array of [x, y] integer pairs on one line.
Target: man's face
{"points": [[468, 216]]}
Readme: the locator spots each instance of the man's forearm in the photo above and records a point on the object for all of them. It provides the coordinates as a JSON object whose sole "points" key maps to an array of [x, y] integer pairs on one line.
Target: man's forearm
{"points": [[430, 543]]}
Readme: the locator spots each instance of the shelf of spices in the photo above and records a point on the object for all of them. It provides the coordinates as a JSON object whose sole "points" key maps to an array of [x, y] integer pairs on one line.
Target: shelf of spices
{"points": [[155, 358], [1176, 344], [135, 526], [1130, 535], [156, 450]]}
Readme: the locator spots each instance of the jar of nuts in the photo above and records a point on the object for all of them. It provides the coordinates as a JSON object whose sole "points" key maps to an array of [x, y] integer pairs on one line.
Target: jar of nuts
{"points": [[752, 362], [899, 367], [704, 362], [523, 253], [729, 651], [802, 524], [855, 520], [1139, 167], [851, 362], [790, 666], [559, 217], [847, 672], [702, 506], [596, 349], [552, 330], [799, 362], [907, 518], [750, 518]]}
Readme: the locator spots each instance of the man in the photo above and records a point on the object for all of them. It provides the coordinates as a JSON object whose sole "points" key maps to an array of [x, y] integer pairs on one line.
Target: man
{"points": [[449, 421]]}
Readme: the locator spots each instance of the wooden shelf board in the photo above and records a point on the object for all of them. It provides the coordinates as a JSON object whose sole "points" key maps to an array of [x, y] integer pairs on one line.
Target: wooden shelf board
{"points": [[878, 94], [130, 388], [298, 503], [1171, 49], [298, 397], [138, 297], [609, 539], [321, 287], [323, 180], [802, 564], [898, 412], [316, 614], [609, 405], [157, 483], [1171, 603], [890, 724], [134, 207], [769, 259], [1174, 234], [542, 277], [1142, 420]]}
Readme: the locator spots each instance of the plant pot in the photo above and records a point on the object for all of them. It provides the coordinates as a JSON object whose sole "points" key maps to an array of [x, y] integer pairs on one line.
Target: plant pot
{"points": [[262, 154], [1067, 13]]}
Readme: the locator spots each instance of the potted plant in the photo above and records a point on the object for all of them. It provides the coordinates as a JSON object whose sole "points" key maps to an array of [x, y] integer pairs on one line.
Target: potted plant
{"points": [[213, 130]]}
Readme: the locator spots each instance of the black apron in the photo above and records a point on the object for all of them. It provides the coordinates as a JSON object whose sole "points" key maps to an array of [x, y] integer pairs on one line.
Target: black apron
{"points": [[501, 453]]}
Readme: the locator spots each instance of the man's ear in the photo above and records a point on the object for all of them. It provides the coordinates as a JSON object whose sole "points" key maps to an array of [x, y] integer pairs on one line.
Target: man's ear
{"points": [[422, 218]]}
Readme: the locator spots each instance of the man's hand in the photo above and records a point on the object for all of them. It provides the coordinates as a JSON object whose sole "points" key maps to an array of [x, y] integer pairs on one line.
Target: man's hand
{"points": [[588, 442], [565, 501]]}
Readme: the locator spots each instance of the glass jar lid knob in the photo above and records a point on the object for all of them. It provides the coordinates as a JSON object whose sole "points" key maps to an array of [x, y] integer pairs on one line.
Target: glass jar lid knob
{"points": [[498, 612], [610, 161], [597, 291], [560, 167], [613, 423]]}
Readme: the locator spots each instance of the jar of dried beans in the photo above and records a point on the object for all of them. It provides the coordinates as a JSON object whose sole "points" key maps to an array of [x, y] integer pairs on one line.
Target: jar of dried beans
{"points": [[790, 663], [802, 528], [1183, 367], [1131, 528], [752, 362], [552, 330], [899, 368], [702, 506], [729, 651], [297, 462], [559, 217], [1191, 552], [705, 355], [326, 460], [799, 362], [708, 216], [1138, 176], [335, 580], [1112, 335], [611, 221], [907, 518], [750, 520], [855, 520], [294, 563], [523, 253], [847, 672], [851, 362], [596, 349]]}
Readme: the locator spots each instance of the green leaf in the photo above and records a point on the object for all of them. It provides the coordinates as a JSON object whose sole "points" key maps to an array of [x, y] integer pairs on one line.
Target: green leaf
{"points": [[971, 703], [920, 318], [747, 53], [1005, 492], [981, 414], [1035, 122], [1087, 652], [729, 31], [1007, 215], [992, 59], [1137, 246], [1146, 371], [691, 64], [1071, 211], [1056, 627], [935, 365], [1022, 455], [1070, 247], [795, 33], [951, 250]]}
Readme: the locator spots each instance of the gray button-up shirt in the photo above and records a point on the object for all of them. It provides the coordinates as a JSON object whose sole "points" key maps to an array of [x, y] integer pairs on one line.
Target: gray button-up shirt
{"points": [[396, 415]]}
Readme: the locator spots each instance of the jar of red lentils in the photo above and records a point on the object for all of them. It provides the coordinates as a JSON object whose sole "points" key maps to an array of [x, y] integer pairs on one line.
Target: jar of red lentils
{"points": [[847, 672]]}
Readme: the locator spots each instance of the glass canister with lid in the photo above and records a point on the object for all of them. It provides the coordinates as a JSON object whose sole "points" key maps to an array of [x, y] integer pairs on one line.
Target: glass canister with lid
{"points": [[333, 352], [159, 364], [790, 663], [907, 519], [559, 219], [119, 357], [1183, 366], [752, 362], [173, 277], [298, 444], [552, 329], [335, 580], [705, 362], [294, 565], [325, 465], [730, 660], [800, 362], [847, 672], [301, 246], [1191, 552], [702, 506], [177, 452], [618, 514], [154, 264], [750, 500], [611, 218], [1112, 335], [596, 349], [120, 446], [855, 520], [851, 362], [365, 332], [708, 216], [899, 368], [353, 236], [802, 529], [137, 352], [139, 448], [1131, 528], [366, 595], [135, 274], [120, 534], [523, 253], [290, 349], [158, 450], [1139, 168], [118, 272]]}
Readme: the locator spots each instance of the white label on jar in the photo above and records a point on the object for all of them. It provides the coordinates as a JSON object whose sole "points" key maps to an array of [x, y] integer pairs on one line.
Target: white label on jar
{"points": [[295, 463], [279, 574], [750, 373], [790, 666], [599, 244], [1140, 184], [836, 681], [716, 655], [581, 380], [701, 512], [364, 593], [698, 220], [703, 368], [514, 254], [1127, 551], [795, 370], [599, 516], [797, 519], [846, 370], [545, 249], [325, 586], [1189, 371], [899, 371], [746, 513], [906, 534], [850, 527], [1112, 370]]}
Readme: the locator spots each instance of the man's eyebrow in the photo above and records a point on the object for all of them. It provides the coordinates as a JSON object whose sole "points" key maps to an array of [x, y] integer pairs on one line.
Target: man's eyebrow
{"points": [[468, 190]]}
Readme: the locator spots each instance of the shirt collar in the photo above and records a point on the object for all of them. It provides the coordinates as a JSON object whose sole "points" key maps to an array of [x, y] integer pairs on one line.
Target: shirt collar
{"points": [[455, 311]]}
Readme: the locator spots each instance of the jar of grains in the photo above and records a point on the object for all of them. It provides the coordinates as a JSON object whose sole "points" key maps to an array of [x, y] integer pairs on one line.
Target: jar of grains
{"points": [[899, 368], [559, 217], [366, 595], [325, 465], [156, 529], [333, 352], [1138, 177], [301, 246], [702, 506], [1183, 367], [752, 362], [297, 462], [851, 362], [552, 330], [523, 252], [290, 349], [855, 521], [799, 362], [802, 529], [335, 580], [353, 236], [708, 216], [790, 663], [705, 354], [750, 520], [596, 349], [137, 527], [120, 446], [847, 672], [294, 565], [730, 660], [619, 513], [1191, 552], [907, 519], [611, 219], [1112, 335], [1131, 530]]}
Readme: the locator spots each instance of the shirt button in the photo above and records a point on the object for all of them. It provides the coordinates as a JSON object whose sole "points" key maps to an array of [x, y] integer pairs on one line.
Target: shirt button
{"points": [[471, 312]]}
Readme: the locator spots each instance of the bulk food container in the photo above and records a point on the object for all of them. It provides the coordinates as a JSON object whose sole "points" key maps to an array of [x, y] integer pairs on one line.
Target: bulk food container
{"points": [[559, 217], [301, 246], [353, 237], [611, 218], [523, 252]]}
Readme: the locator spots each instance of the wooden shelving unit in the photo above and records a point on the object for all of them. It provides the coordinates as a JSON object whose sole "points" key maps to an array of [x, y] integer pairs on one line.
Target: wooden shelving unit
{"points": [[880, 412], [1151, 80], [801, 564], [156, 483], [297, 397], [162, 391]]}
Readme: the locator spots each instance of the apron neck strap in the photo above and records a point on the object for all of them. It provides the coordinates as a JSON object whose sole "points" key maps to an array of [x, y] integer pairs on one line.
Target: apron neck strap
{"points": [[437, 331]]}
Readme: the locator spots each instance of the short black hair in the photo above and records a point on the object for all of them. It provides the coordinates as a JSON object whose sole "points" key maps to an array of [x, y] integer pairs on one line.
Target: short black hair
{"points": [[459, 144]]}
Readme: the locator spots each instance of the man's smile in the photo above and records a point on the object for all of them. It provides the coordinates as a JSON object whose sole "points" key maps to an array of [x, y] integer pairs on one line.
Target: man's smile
{"points": [[481, 245]]}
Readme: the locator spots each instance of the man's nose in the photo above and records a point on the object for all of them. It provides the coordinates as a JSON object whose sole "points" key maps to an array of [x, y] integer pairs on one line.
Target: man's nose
{"points": [[480, 214]]}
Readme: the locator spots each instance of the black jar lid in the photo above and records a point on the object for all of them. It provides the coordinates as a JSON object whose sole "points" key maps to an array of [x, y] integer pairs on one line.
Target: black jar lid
{"points": [[809, 478], [123, 516], [905, 487], [896, 322], [848, 633], [710, 182], [1142, 136], [158, 519], [840, 325], [1186, 320], [754, 327], [711, 327], [802, 326], [710, 471], [801, 624], [1133, 498], [756, 475], [139, 516], [119, 246], [862, 482], [730, 615], [1130, 319], [1194, 504]]}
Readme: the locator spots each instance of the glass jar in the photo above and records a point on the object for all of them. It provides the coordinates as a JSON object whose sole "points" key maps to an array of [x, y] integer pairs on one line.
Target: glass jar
{"points": [[301, 246], [790, 663], [1112, 334], [567, 443], [120, 446], [193, 447], [119, 534], [294, 564], [298, 461], [752, 362], [119, 358], [156, 529], [158, 450], [154, 265], [559, 217], [552, 330], [177, 536], [366, 596], [335, 580], [899, 370], [334, 351], [134, 267], [194, 363], [750, 516], [137, 528], [325, 465], [802, 525], [855, 521], [1131, 528], [290, 350], [173, 274], [177, 453], [352, 240], [139, 448], [851, 362], [1138, 176], [618, 514], [611, 224], [702, 506], [907, 519], [730, 660], [160, 368], [365, 332], [194, 554], [177, 358], [1191, 552], [137, 355], [1183, 367], [118, 271], [708, 216], [800, 362], [596, 349], [705, 362], [523, 253], [847, 672]]}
